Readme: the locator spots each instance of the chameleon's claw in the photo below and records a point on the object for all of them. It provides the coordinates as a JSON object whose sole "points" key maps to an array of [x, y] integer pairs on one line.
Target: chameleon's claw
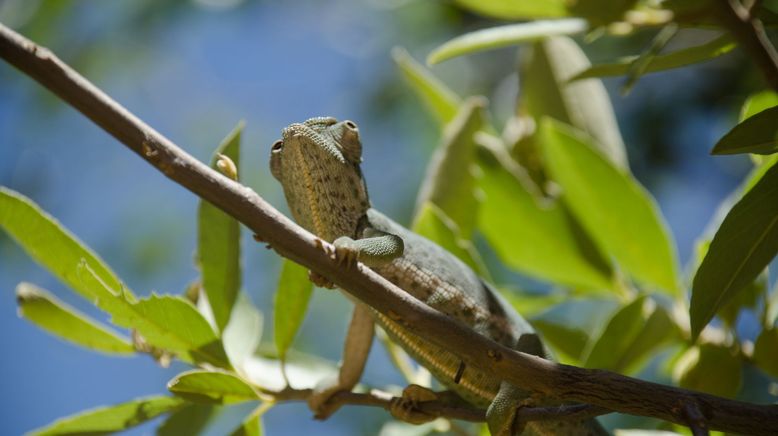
{"points": [[406, 409], [346, 252], [320, 281]]}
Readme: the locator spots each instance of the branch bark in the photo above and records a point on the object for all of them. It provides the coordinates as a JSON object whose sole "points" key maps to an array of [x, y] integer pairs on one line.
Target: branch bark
{"points": [[750, 34], [599, 388]]}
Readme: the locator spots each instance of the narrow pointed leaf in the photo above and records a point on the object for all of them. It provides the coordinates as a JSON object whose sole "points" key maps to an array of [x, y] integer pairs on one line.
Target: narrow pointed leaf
{"points": [[49, 313], [743, 246], [681, 58], [710, 368], [218, 249], [211, 387], [528, 234], [617, 212], [110, 419], [604, 351], [166, 322], [433, 224], [516, 9], [449, 182], [49, 243], [291, 303], [547, 92], [441, 101], [505, 36], [757, 134], [188, 420], [241, 336], [251, 426], [766, 351]]}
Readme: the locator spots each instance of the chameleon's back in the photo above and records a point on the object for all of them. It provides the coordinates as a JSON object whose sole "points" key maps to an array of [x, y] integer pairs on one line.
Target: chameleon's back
{"points": [[438, 278]]}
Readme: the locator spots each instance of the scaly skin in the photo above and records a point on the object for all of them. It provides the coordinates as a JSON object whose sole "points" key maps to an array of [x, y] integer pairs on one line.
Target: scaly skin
{"points": [[317, 163]]}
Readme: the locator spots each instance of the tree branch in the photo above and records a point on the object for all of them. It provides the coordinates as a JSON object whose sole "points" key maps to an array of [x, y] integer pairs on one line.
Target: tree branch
{"points": [[750, 33], [604, 389]]}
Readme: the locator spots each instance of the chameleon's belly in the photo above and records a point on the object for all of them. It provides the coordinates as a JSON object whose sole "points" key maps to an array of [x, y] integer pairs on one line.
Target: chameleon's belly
{"points": [[474, 386]]}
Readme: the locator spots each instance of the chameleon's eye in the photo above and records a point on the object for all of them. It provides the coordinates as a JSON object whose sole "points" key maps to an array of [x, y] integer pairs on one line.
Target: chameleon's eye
{"points": [[277, 146]]}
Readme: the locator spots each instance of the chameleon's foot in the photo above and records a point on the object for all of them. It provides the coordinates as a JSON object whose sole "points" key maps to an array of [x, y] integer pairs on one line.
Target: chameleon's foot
{"points": [[320, 281], [406, 408], [319, 401], [346, 252]]}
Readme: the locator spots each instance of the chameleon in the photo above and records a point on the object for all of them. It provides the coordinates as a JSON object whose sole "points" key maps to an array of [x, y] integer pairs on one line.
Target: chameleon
{"points": [[317, 162]]}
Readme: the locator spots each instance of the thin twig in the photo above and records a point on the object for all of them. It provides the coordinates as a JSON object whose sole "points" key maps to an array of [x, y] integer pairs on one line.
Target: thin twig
{"points": [[565, 383], [750, 34]]}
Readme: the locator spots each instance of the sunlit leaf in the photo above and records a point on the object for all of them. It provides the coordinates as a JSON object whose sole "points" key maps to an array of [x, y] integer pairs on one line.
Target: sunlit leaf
{"points": [[757, 103], [242, 334], [433, 224], [658, 330], [710, 368], [620, 214], [504, 36], [529, 234], [568, 326], [441, 101], [757, 134], [59, 319], [546, 92], [188, 420], [211, 387], [601, 12], [291, 303], [449, 182], [766, 351], [681, 58], [50, 244], [302, 370], [516, 9], [166, 322], [111, 418], [218, 249], [745, 243]]}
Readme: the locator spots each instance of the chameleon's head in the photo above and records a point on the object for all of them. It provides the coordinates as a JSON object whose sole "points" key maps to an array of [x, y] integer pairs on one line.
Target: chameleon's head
{"points": [[317, 163]]}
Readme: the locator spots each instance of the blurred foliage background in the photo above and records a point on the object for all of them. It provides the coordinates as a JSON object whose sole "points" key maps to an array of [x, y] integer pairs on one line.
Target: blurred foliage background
{"points": [[193, 69]]}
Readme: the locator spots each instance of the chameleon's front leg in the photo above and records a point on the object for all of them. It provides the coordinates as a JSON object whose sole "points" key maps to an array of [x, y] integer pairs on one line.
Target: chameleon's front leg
{"points": [[355, 351]]}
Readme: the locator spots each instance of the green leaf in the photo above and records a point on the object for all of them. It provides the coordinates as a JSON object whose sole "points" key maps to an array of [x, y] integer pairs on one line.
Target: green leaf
{"points": [[516, 9], [111, 418], [211, 387], [166, 322], [441, 101], [449, 182], [611, 205], [50, 244], [529, 234], [757, 134], [252, 425], [433, 224], [681, 58], [632, 333], [757, 103], [748, 298], [745, 243], [242, 334], [601, 12], [568, 326], [766, 351], [218, 244], [59, 319], [291, 303], [504, 36], [621, 330], [188, 420], [547, 92], [710, 368]]}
